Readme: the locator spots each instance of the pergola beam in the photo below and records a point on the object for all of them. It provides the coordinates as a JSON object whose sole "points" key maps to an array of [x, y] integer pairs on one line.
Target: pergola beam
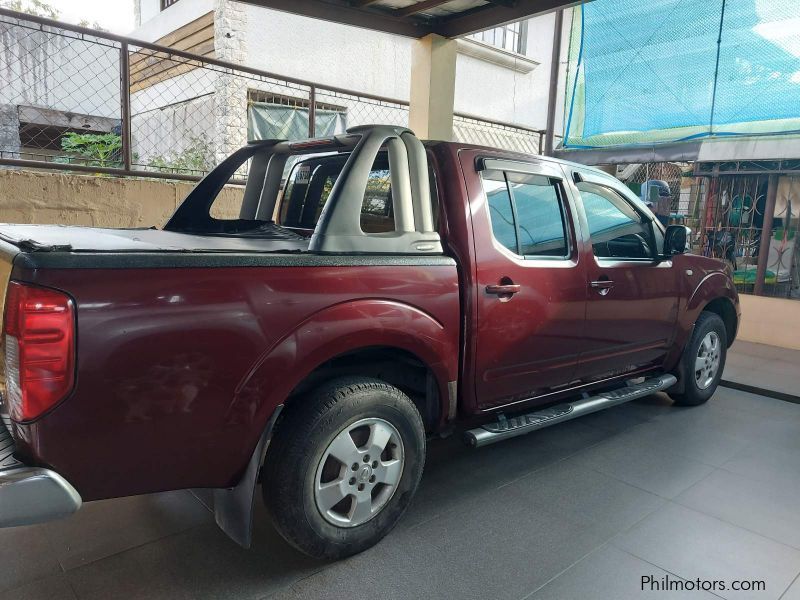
{"points": [[340, 11], [492, 15], [407, 21], [419, 7]]}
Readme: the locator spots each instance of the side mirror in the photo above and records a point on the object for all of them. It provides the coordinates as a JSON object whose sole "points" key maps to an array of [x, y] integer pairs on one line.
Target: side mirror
{"points": [[675, 240]]}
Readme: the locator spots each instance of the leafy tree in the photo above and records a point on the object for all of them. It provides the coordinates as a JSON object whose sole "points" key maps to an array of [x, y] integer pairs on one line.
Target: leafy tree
{"points": [[96, 149], [39, 8], [92, 25]]}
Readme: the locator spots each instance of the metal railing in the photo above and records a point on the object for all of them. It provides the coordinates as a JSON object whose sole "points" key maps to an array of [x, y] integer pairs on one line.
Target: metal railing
{"points": [[83, 100]]}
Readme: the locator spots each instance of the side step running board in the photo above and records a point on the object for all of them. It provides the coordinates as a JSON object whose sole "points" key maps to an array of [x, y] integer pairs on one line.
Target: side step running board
{"points": [[505, 428]]}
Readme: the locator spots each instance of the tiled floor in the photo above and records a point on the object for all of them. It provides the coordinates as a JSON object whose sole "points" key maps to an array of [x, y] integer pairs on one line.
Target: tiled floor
{"points": [[763, 366], [583, 510]]}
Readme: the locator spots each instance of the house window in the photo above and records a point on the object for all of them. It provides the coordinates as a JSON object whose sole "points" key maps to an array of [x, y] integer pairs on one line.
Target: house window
{"points": [[165, 4], [511, 37]]}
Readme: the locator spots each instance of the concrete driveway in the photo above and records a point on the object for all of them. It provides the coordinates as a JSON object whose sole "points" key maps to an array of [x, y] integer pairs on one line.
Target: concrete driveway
{"points": [[580, 510]]}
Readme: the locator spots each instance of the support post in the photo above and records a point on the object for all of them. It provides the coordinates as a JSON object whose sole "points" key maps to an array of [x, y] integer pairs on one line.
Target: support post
{"points": [[125, 104], [312, 112], [433, 83], [555, 68], [766, 234]]}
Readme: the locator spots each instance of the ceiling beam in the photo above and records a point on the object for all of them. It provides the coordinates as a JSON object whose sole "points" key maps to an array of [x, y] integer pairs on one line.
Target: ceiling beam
{"points": [[419, 7], [340, 11], [492, 15]]}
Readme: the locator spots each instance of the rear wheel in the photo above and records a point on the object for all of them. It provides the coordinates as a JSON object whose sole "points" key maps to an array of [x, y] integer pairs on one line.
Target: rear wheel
{"points": [[343, 466], [703, 360]]}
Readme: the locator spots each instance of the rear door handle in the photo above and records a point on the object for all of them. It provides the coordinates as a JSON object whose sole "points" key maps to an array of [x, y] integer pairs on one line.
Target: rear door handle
{"points": [[603, 286], [503, 289]]}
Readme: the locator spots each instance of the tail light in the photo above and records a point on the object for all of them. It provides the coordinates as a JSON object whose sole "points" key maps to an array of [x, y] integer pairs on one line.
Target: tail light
{"points": [[39, 349]]}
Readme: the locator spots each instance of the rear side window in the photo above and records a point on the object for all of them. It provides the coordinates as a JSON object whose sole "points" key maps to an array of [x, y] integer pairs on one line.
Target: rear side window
{"points": [[527, 213], [377, 212], [310, 182]]}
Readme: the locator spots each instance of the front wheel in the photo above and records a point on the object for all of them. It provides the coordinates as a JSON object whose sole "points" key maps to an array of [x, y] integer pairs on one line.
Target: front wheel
{"points": [[703, 360], [343, 466]]}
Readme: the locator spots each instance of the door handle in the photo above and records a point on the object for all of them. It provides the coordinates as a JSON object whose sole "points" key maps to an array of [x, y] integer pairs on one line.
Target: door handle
{"points": [[508, 289], [603, 286]]}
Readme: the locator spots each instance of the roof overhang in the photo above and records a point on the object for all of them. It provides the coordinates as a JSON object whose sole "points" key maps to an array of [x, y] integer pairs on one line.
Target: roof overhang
{"points": [[414, 18]]}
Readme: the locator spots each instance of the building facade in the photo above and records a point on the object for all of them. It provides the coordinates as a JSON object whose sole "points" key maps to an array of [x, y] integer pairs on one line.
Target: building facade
{"points": [[502, 75]]}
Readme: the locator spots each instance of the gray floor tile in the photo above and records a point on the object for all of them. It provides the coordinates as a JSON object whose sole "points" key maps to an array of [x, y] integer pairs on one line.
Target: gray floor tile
{"points": [[101, 529], [691, 545], [455, 474], [25, 556], [497, 548], [793, 593], [703, 444], [655, 471], [761, 462], [780, 434], [610, 573], [401, 567], [51, 588], [769, 509], [762, 406], [200, 563], [596, 501]]}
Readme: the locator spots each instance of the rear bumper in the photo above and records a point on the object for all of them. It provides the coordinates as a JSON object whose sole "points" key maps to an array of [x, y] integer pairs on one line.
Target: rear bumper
{"points": [[31, 495]]}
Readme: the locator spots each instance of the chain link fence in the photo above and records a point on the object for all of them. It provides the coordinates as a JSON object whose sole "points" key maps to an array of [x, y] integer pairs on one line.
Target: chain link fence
{"points": [[79, 99], [473, 130]]}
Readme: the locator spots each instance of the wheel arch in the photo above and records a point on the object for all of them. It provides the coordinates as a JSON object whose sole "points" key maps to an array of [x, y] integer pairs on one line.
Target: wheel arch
{"points": [[725, 309]]}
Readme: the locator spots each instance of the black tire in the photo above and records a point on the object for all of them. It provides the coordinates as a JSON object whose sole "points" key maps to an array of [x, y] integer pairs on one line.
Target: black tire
{"points": [[693, 394], [302, 438]]}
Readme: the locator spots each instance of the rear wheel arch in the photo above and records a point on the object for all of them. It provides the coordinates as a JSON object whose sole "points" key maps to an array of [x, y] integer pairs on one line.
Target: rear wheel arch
{"points": [[394, 365]]}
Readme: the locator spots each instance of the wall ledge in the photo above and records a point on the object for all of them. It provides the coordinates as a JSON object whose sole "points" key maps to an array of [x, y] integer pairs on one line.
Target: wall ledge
{"points": [[497, 56]]}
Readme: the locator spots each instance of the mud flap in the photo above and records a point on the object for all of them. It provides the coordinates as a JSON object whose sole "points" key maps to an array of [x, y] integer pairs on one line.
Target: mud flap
{"points": [[233, 507]]}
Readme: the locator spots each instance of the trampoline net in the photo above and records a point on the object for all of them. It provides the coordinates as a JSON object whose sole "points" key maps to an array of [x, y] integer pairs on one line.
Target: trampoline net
{"points": [[673, 70]]}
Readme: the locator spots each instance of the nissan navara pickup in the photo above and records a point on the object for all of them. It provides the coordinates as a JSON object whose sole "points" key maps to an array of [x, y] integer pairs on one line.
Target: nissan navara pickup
{"points": [[372, 292]]}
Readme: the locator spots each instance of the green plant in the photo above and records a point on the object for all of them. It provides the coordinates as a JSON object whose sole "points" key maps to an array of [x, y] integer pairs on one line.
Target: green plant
{"points": [[37, 8], [96, 149], [197, 156]]}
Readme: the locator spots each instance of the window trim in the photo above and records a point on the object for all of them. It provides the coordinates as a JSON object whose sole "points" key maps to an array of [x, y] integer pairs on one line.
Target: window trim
{"points": [[556, 180], [645, 220]]}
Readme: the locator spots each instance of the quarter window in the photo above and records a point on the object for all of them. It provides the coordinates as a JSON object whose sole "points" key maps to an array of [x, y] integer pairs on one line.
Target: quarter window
{"points": [[616, 229], [527, 214]]}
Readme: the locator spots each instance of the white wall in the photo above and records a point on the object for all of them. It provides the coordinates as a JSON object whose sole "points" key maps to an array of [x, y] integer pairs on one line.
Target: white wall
{"points": [[380, 63], [368, 61], [58, 72], [330, 53]]}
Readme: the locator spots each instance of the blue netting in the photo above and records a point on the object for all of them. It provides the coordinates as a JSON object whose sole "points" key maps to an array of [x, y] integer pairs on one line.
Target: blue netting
{"points": [[666, 70]]}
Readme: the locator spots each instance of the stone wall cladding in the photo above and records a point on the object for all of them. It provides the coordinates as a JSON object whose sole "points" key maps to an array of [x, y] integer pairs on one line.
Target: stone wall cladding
{"points": [[230, 42]]}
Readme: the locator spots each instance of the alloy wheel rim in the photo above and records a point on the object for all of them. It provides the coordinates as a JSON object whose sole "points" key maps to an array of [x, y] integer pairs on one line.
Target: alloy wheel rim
{"points": [[706, 365], [358, 473]]}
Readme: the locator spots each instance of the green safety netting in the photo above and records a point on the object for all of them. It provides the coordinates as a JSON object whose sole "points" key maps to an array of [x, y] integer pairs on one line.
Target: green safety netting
{"points": [[645, 72]]}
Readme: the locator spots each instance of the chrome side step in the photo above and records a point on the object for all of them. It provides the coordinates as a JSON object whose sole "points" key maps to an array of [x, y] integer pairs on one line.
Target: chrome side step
{"points": [[508, 427]]}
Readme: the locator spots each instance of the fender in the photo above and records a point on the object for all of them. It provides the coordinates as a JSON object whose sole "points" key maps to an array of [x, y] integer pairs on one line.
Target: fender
{"points": [[712, 286], [329, 333]]}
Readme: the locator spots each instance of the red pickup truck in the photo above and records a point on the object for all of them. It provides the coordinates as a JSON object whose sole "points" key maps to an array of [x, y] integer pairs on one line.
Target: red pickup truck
{"points": [[374, 292]]}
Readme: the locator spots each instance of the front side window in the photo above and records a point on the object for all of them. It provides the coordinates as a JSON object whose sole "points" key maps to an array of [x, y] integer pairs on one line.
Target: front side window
{"points": [[527, 214], [615, 228]]}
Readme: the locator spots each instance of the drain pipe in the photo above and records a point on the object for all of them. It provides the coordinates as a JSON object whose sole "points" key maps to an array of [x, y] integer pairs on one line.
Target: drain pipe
{"points": [[555, 64]]}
